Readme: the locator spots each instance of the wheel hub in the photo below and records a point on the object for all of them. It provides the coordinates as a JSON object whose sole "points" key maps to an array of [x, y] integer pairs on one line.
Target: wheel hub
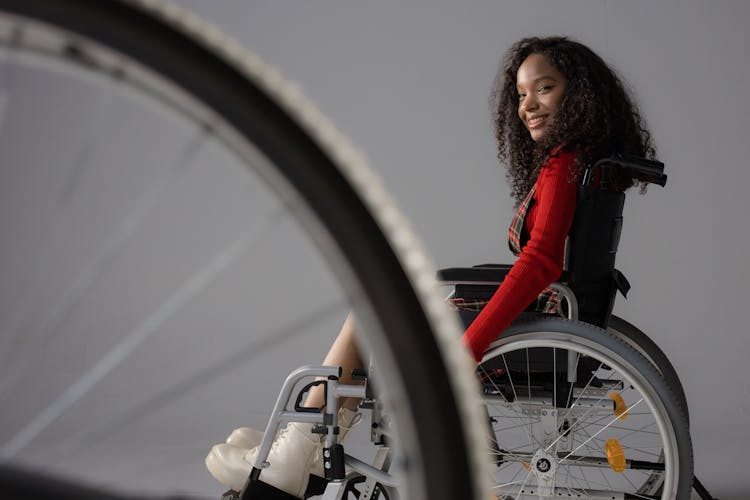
{"points": [[544, 466]]}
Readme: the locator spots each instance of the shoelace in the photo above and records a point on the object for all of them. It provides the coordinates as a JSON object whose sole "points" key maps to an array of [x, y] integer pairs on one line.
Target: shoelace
{"points": [[283, 432], [318, 449], [357, 418]]}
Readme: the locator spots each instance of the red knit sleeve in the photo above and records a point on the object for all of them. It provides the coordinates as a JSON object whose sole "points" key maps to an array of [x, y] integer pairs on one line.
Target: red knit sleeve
{"points": [[541, 260]]}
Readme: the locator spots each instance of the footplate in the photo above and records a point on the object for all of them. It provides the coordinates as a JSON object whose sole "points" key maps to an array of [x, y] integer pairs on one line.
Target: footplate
{"points": [[258, 490]]}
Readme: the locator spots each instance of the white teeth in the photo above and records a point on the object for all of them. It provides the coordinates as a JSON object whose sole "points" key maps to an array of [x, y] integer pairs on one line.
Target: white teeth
{"points": [[536, 120]]}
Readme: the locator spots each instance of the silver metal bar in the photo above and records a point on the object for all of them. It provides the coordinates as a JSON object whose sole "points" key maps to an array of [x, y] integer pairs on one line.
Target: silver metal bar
{"points": [[569, 296], [349, 391], [572, 366], [381, 461], [332, 408], [588, 461], [279, 414], [368, 470], [304, 418]]}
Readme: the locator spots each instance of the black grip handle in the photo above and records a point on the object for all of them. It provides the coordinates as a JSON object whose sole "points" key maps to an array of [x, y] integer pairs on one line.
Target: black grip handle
{"points": [[306, 409], [633, 167]]}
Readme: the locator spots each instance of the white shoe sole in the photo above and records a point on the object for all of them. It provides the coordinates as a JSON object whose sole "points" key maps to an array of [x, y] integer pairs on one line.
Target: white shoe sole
{"points": [[227, 464]]}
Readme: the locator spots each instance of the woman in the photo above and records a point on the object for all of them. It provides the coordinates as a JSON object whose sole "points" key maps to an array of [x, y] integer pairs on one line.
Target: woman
{"points": [[557, 107]]}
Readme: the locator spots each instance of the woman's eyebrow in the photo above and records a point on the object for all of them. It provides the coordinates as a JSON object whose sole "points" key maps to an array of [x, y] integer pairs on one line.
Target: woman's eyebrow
{"points": [[544, 77]]}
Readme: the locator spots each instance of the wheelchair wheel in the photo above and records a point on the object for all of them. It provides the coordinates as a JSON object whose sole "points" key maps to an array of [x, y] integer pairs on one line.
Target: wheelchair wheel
{"points": [[158, 163], [617, 431], [649, 350]]}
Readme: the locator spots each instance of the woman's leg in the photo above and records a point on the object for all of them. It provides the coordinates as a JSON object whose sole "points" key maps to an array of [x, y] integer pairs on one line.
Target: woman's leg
{"points": [[297, 451], [344, 353]]}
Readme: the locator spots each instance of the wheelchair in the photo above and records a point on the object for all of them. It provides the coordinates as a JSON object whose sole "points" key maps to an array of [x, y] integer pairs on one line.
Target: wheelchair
{"points": [[580, 403]]}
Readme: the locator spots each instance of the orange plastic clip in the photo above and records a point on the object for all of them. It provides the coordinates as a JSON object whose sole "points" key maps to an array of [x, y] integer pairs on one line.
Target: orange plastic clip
{"points": [[615, 455], [621, 408]]}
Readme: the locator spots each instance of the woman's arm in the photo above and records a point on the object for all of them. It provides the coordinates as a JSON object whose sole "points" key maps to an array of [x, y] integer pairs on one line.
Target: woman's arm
{"points": [[541, 260]]}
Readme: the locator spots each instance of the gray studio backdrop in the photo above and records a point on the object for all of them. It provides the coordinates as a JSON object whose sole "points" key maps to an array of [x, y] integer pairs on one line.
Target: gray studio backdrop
{"points": [[408, 82]]}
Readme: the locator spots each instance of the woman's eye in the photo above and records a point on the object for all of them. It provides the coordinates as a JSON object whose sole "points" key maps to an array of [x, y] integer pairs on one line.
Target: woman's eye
{"points": [[521, 96], [544, 89]]}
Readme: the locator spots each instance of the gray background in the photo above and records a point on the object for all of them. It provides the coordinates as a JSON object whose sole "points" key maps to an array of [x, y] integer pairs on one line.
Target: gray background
{"points": [[408, 83]]}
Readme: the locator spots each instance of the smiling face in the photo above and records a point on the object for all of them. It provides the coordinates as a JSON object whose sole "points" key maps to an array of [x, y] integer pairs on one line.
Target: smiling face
{"points": [[541, 88]]}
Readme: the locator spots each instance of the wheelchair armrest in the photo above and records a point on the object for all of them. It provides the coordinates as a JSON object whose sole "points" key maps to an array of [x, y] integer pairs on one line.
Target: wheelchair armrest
{"points": [[483, 274]]}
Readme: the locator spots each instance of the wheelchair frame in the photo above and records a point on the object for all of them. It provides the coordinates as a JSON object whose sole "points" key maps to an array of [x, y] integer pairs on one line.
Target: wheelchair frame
{"points": [[574, 283]]}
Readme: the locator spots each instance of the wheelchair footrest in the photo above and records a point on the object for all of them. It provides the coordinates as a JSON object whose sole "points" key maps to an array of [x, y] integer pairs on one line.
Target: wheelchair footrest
{"points": [[258, 490], [316, 486]]}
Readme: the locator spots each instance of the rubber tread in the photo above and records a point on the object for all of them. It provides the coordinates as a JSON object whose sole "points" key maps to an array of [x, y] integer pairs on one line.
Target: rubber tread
{"points": [[654, 354]]}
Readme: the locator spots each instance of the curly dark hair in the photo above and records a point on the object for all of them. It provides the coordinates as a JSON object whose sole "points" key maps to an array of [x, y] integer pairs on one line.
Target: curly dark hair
{"points": [[597, 116]]}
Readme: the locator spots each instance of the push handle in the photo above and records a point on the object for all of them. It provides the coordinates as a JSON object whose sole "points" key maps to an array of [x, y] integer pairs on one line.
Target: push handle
{"points": [[629, 167]]}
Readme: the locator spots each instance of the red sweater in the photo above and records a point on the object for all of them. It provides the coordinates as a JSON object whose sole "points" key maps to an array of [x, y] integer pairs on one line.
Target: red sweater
{"points": [[541, 261]]}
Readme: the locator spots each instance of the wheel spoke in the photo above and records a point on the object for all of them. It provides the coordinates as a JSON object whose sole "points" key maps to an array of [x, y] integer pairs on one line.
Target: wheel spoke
{"points": [[125, 347], [83, 282], [593, 376], [578, 433], [598, 432]]}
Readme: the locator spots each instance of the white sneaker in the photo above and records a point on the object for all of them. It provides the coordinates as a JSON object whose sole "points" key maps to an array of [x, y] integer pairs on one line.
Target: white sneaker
{"points": [[245, 437], [291, 457]]}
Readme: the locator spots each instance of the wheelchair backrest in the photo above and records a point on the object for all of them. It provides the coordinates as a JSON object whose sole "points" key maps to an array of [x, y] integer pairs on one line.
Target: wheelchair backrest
{"points": [[595, 233]]}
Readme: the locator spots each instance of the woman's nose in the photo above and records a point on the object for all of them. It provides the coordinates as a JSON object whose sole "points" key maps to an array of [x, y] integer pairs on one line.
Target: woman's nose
{"points": [[529, 102]]}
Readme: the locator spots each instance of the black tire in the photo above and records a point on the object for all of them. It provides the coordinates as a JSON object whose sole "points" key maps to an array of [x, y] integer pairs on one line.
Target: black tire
{"points": [[159, 40], [649, 350], [610, 354]]}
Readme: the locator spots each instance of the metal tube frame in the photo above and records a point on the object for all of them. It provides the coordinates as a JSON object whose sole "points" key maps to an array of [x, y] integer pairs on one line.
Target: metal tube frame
{"points": [[334, 392]]}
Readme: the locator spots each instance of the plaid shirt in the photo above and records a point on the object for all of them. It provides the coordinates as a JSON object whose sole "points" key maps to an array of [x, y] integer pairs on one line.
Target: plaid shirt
{"points": [[547, 301], [515, 231]]}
